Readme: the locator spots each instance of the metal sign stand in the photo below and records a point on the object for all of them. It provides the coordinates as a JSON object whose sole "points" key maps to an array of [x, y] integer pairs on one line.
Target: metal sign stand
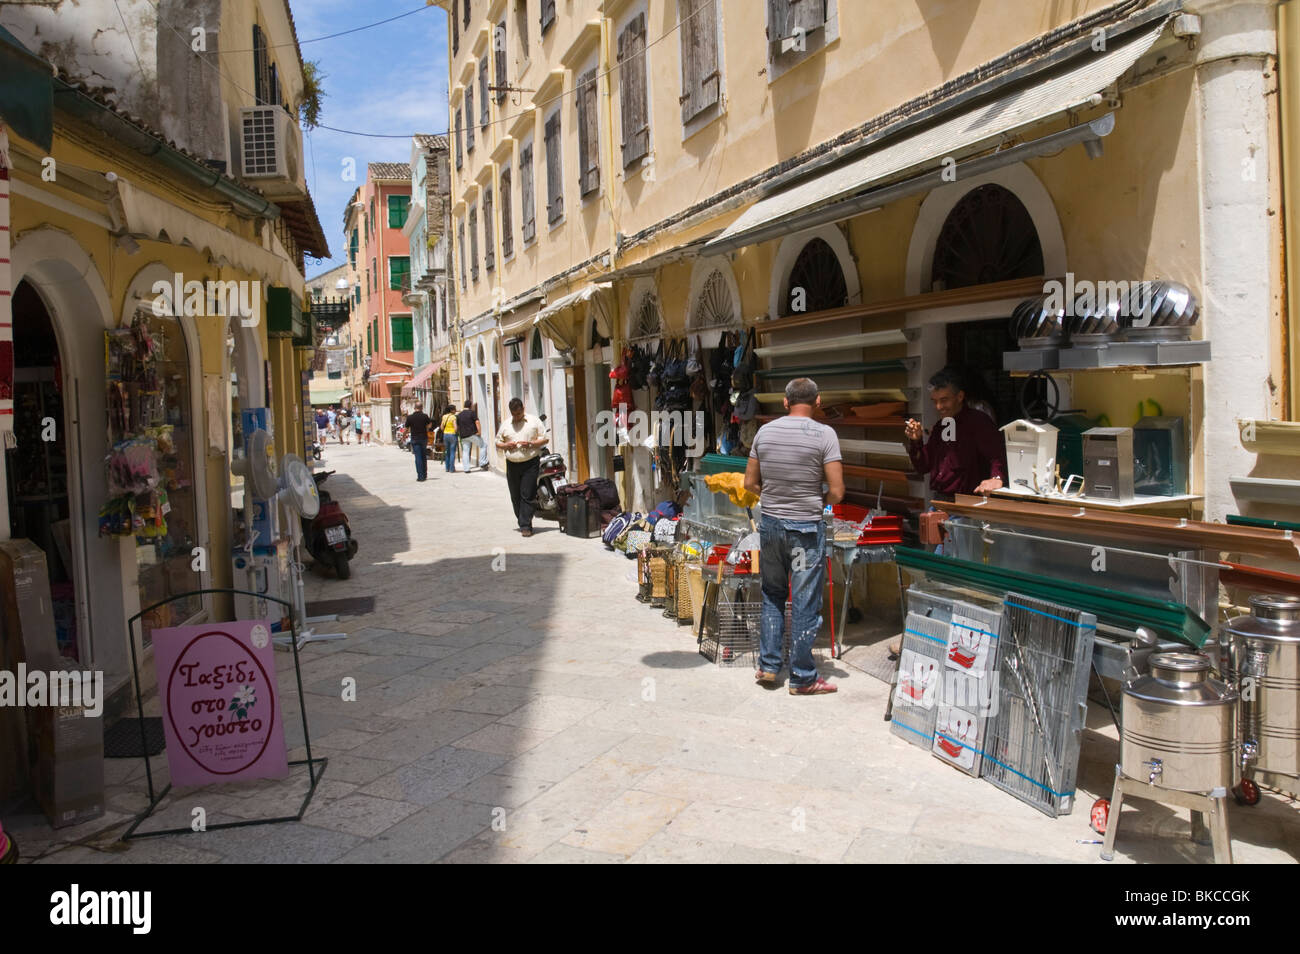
{"points": [[315, 767]]}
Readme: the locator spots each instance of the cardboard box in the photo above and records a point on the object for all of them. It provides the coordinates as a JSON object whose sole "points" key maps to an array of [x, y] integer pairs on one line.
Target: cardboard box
{"points": [[69, 772]]}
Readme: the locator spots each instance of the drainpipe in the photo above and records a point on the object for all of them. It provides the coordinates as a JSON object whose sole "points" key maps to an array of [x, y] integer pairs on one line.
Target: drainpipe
{"points": [[1288, 43]]}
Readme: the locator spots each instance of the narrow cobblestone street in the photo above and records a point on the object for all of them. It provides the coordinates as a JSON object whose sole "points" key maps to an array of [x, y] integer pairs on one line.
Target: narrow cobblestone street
{"points": [[539, 713]]}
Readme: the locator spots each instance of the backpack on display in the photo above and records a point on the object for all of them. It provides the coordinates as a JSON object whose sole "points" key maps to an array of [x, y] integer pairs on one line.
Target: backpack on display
{"points": [[742, 375], [616, 527]]}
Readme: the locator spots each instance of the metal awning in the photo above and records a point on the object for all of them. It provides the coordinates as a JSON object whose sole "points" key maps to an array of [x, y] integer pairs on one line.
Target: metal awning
{"points": [[1068, 88], [27, 93], [421, 377]]}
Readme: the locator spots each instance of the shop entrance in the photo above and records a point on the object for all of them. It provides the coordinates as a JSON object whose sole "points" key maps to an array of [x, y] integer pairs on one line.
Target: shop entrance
{"points": [[37, 467], [976, 348]]}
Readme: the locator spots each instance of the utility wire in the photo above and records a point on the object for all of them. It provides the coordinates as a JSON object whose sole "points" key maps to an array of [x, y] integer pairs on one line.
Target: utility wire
{"points": [[331, 36]]}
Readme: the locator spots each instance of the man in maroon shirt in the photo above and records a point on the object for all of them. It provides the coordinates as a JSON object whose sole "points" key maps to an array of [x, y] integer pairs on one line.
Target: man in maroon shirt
{"points": [[965, 452]]}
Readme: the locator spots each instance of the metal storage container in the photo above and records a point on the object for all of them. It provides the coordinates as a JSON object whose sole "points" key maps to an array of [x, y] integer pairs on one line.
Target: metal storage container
{"points": [[1179, 726], [1264, 664]]}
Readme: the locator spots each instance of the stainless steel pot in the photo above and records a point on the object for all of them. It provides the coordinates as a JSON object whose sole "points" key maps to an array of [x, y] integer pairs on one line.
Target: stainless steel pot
{"points": [[1179, 726], [1264, 664]]}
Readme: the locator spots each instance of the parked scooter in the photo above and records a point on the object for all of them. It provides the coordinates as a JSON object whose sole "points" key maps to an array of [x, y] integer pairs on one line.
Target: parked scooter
{"points": [[328, 535], [550, 478], [403, 438], [317, 449]]}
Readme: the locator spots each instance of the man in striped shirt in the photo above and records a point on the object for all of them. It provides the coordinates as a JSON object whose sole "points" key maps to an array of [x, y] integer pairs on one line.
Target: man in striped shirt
{"points": [[792, 459]]}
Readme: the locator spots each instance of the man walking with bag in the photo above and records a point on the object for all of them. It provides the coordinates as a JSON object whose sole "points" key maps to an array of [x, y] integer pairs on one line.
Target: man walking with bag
{"points": [[790, 461], [468, 431]]}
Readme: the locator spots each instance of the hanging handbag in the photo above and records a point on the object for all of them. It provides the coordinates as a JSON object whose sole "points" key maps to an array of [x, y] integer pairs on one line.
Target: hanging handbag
{"points": [[656, 369], [693, 366], [742, 375], [675, 375]]}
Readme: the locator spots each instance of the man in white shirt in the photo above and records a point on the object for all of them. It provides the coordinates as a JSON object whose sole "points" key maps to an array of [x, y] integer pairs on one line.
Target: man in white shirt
{"points": [[521, 439]]}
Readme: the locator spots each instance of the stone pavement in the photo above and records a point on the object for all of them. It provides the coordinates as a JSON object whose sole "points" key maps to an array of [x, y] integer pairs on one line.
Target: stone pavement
{"points": [[537, 712]]}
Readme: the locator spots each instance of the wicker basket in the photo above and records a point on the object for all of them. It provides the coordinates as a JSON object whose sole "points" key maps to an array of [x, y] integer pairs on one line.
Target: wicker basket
{"points": [[643, 575], [670, 584], [658, 572], [685, 613]]}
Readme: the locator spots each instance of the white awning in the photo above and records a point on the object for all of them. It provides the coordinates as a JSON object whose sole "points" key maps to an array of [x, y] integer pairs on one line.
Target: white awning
{"points": [[1070, 88], [573, 298], [144, 215]]}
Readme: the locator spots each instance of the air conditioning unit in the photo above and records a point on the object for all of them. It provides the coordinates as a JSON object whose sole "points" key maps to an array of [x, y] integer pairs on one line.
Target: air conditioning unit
{"points": [[271, 144]]}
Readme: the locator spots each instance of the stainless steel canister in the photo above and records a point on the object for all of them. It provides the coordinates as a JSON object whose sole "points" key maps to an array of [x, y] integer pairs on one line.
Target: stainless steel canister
{"points": [[1264, 665], [1180, 726]]}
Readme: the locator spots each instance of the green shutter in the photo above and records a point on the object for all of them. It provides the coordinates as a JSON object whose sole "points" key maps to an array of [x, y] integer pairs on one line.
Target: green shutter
{"points": [[401, 333], [352, 249], [398, 208], [399, 270], [370, 342]]}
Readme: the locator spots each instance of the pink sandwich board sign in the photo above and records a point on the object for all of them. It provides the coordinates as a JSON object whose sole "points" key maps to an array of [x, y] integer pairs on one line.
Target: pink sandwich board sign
{"points": [[221, 715]]}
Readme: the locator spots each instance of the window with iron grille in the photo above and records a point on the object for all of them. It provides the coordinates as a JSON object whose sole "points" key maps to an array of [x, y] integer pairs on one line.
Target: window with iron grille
{"points": [[483, 93], [473, 242], [645, 321], [399, 272], [548, 15], [499, 51], [489, 242], [459, 158], [554, 171], [701, 75], [634, 108], [588, 138], [399, 206], [527, 200], [507, 220], [261, 68], [469, 117], [401, 333]]}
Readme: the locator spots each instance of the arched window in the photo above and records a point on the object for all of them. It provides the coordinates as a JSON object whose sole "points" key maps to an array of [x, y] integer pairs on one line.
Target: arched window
{"points": [[715, 306], [988, 237], [816, 281], [482, 360], [537, 373], [645, 322]]}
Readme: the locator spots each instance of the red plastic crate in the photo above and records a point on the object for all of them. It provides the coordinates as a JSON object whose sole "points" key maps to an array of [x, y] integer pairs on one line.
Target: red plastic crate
{"points": [[719, 554], [883, 529]]}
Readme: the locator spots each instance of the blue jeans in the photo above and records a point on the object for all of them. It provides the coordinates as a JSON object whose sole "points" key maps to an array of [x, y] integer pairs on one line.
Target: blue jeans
{"points": [[470, 444], [419, 449], [449, 452], [793, 561]]}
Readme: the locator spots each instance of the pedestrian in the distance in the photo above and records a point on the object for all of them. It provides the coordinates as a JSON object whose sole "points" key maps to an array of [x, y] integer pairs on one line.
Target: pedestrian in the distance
{"points": [[330, 420], [356, 426], [522, 439], [322, 426], [469, 432], [417, 426], [448, 427], [365, 425], [345, 426], [792, 458]]}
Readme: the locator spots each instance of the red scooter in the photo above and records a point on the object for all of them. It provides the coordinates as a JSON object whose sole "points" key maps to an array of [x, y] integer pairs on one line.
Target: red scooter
{"points": [[328, 536]]}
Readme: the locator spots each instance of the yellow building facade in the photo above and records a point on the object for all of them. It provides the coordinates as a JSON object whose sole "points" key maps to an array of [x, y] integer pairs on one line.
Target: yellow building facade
{"points": [[116, 225], [679, 169]]}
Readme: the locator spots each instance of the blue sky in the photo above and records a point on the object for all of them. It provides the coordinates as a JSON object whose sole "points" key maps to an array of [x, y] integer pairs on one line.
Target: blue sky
{"points": [[390, 79]]}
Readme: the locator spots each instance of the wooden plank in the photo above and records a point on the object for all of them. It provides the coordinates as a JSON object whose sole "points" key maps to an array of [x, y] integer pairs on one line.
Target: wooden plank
{"points": [[975, 294], [876, 473], [868, 339], [1260, 580], [840, 395], [862, 367], [1186, 534], [893, 422]]}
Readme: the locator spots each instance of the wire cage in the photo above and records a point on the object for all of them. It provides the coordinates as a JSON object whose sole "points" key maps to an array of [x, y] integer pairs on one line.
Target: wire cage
{"points": [[1032, 743], [731, 624]]}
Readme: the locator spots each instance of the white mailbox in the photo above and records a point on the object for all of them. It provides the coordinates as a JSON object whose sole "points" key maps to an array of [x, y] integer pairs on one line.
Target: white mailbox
{"points": [[1031, 450]]}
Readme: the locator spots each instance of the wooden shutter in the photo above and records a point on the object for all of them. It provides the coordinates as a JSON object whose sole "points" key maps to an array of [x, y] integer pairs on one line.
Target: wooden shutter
{"points": [[528, 212], [473, 243], [467, 2], [489, 240], [548, 14], [483, 91], [261, 68], [507, 226], [588, 135], [469, 117], [784, 17], [455, 34], [460, 243], [632, 91], [701, 80], [499, 46], [554, 174], [459, 158]]}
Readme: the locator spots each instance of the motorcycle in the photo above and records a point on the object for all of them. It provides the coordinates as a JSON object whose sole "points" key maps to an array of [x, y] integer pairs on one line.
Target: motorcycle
{"points": [[317, 449], [550, 478], [328, 535], [403, 438]]}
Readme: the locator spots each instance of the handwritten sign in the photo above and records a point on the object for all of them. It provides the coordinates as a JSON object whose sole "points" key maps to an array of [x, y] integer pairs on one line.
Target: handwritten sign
{"points": [[221, 717]]}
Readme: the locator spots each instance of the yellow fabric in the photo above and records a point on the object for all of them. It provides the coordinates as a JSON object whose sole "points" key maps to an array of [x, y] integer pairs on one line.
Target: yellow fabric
{"points": [[733, 485], [449, 423]]}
